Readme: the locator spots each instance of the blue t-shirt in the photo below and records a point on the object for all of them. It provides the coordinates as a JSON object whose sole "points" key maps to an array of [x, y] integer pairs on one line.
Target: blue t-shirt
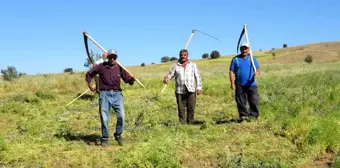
{"points": [[243, 69]]}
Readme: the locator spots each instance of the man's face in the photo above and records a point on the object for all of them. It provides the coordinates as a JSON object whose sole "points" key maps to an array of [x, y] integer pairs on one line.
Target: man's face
{"points": [[244, 51], [112, 58], [184, 56]]}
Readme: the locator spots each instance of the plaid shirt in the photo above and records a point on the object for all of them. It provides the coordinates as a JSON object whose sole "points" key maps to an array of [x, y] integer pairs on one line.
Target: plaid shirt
{"points": [[185, 77]]}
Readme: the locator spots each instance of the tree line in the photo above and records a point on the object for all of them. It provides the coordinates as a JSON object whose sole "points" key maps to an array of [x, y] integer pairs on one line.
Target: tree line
{"points": [[214, 54]]}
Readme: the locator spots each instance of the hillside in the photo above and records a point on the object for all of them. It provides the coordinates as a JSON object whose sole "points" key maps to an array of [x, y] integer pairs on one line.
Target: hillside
{"points": [[299, 124], [321, 52]]}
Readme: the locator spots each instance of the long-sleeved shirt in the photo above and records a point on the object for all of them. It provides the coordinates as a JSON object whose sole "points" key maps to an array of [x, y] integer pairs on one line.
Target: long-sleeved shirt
{"points": [[109, 76], [185, 77]]}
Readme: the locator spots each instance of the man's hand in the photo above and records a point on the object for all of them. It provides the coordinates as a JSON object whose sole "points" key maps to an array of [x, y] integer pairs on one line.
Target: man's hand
{"points": [[166, 80], [198, 92], [132, 80], [233, 86], [93, 89], [257, 73]]}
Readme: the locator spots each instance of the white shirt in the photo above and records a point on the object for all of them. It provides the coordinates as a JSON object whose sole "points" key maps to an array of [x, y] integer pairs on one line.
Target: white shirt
{"points": [[185, 77]]}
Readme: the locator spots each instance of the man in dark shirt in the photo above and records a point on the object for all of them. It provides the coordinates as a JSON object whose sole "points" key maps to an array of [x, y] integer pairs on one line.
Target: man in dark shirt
{"points": [[110, 74]]}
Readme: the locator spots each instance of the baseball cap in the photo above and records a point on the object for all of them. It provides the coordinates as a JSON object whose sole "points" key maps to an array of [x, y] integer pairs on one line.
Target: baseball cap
{"points": [[112, 51], [245, 45]]}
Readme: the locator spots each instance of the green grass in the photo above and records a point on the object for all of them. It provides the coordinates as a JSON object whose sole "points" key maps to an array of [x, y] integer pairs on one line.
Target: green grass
{"points": [[299, 120]]}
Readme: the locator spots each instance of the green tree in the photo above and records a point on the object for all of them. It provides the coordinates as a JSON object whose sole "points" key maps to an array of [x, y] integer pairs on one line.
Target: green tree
{"points": [[215, 54], [173, 59], [285, 45], [142, 64], [68, 70], [10, 73], [165, 59], [94, 57], [205, 55]]}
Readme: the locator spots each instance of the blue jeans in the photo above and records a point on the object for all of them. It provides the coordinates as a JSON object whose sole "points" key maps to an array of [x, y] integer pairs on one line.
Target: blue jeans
{"points": [[107, 100]]}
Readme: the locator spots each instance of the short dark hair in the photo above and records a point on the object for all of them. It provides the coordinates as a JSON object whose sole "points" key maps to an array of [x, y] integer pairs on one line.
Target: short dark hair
{"points": [[243, 47], [182, 51]]}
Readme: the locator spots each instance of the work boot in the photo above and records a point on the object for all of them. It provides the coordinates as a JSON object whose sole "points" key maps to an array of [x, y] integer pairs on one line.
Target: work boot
{"points": [[244, 118], [105, 144], [119, 139]]}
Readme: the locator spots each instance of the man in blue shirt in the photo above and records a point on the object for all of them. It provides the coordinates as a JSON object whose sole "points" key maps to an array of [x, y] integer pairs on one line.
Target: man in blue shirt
{"points": [[242, 80]]}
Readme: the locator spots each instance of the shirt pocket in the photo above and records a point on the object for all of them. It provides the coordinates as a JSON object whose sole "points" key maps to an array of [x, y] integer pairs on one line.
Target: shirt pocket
{"points": [[117, 77]]}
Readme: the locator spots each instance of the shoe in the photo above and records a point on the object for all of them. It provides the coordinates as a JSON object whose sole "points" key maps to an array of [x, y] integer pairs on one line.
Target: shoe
{"points": [[119, 139], [253, 118], [244, 118], [105, 144]]}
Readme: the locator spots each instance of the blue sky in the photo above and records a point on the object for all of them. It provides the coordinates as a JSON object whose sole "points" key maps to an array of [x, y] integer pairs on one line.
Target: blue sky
{"points": [[40, 36]]}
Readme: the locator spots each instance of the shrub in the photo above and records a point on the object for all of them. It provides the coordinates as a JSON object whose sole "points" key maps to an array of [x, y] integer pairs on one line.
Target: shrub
{"points": [[309, 59], [10, 73], [68, 70], [165, 59], [173, 59], [205, 55], [215, 54]]}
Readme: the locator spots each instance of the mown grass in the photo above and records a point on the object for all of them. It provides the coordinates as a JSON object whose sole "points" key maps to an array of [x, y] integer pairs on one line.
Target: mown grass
{"points": [[299, 121]]}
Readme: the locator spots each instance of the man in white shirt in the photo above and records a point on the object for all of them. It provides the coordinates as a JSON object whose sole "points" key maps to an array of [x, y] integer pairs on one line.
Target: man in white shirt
{"points": [[101, 60], [186, 74]]}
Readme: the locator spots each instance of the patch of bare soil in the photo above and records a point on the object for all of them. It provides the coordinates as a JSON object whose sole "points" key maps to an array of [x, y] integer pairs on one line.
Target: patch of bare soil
{"points": [[322, 162]]}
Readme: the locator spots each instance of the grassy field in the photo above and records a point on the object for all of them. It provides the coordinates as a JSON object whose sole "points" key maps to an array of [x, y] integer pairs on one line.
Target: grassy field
{"points": [[299, 124]]}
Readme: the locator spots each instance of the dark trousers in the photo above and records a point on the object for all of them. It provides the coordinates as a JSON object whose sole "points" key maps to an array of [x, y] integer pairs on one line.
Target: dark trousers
{"points": [[186, 102], [244, 93]]}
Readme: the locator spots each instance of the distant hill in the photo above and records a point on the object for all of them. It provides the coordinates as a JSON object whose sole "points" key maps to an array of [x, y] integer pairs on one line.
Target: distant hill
{"points": [[321, 52]]}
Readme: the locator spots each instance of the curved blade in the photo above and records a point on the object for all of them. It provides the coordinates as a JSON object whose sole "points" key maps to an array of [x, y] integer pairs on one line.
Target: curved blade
{"points": [[207, 35], [87, 48], [239, 40]]}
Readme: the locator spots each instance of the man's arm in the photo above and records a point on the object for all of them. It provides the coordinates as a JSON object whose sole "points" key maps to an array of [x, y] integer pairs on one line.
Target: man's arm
{"points": [[232, 74], [127, 78], [89, 75], [170, 74], [198, 79], [232, 79], [257, 66]]}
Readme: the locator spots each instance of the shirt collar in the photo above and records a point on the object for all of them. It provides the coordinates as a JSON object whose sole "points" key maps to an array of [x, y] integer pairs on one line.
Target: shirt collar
{"points": [[178, 63], [107, 64], [241, 56]]}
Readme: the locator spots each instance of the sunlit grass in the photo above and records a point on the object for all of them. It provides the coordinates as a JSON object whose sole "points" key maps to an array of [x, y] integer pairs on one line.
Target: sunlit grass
{"points": [[299, 120]]}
